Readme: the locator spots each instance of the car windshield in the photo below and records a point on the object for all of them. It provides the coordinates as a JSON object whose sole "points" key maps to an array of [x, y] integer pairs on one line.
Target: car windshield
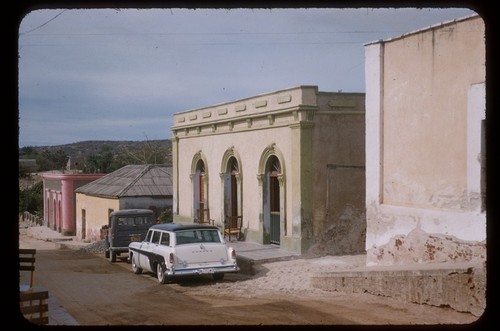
{"points": [[197, 236]]}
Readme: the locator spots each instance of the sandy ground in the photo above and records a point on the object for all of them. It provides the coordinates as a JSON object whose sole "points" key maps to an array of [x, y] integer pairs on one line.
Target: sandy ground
{"points": [[289, 279]]}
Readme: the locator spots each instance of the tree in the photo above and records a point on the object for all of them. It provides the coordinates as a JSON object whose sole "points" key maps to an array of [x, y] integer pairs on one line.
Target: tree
{"points": [[100, 163], [148, 153], [31, 199]]}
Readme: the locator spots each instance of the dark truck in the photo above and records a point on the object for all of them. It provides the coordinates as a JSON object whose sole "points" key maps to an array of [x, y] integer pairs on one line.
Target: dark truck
{"points": [[126, 226]]}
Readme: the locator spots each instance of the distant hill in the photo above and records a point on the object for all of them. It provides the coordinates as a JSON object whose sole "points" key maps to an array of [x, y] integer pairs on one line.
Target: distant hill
{"points": [[90, 147]]}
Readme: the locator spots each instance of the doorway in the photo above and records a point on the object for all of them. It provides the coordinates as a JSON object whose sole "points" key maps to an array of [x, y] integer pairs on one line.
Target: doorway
{"points": [[200, 204], [272, 205]]}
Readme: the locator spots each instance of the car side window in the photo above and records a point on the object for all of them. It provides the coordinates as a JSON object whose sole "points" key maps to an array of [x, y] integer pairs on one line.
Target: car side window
{"points": [[165, 239], [148, 236], [156, 237]]}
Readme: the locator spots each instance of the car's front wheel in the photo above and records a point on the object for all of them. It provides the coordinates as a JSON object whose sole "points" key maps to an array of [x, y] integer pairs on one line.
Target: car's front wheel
{"points": [[162, 278], [135, 267]]}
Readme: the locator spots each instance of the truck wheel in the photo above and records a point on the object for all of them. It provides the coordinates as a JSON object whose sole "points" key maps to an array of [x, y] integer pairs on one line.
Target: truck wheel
{"points": [[106, 254], [112, 257], [162, 278]]}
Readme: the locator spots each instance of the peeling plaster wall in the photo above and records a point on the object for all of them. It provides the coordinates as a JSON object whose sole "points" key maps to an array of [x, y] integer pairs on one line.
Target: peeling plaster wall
{"points": [[339, 175], [423, 145], [401, 235]]}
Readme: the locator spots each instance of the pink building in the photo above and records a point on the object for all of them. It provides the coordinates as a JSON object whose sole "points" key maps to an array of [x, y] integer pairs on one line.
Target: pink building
{"points": [[59, 199]]}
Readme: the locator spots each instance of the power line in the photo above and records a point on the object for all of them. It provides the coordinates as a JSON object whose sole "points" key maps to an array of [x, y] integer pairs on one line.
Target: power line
{"points": [[211, 33]]}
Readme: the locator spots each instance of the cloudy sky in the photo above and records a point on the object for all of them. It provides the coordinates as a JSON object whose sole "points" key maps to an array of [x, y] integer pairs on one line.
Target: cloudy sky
{"points": [[116, 74]]}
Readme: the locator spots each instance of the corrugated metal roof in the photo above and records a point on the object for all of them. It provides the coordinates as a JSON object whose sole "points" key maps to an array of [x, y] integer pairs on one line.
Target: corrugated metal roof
{"points": [[132, 181]]}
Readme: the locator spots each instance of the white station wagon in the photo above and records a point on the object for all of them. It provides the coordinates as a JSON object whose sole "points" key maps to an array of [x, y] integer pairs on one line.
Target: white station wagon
{"points": [[179, 249]]}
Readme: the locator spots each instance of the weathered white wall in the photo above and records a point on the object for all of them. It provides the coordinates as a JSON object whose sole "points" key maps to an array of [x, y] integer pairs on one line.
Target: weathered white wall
{"points": [[338, 189], [424, 105]]}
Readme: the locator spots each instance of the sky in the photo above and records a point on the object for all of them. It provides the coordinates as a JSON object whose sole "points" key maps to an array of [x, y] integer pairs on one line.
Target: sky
{"points": [[121, 74]]}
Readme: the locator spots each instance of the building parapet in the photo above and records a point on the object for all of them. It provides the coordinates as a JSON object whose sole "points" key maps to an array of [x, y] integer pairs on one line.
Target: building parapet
{"points": [[280, 108]]}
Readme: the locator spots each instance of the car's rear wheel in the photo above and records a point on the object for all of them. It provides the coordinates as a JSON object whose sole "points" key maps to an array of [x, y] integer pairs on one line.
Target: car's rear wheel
{"points": [[106, 254], [162, 278], [135, 268], [218, 276], [112, 257]]}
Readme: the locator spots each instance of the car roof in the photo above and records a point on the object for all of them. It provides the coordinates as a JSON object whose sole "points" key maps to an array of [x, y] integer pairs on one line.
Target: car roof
{"points": [[181, 226]]}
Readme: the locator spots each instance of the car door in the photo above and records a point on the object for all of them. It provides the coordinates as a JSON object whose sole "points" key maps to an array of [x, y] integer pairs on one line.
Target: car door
{"points": [[150, 251], [161, 250], [145, 251]]}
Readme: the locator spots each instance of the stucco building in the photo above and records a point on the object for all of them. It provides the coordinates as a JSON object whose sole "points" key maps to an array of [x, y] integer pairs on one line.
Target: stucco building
{"points": [[425, 148], [59, 199], [290, 164], [145, 186]]}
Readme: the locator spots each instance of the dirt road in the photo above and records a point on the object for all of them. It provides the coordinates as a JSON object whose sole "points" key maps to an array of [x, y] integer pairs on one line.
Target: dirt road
{"points": [[96, 292]]}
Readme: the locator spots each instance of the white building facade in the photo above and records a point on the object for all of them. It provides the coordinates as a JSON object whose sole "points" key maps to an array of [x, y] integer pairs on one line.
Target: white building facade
{"points": [[425, 148], [289, 163]]}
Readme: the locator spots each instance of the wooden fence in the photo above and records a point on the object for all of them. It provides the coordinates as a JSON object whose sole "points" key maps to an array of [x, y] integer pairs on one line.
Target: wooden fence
{"points": [[31, 219]]}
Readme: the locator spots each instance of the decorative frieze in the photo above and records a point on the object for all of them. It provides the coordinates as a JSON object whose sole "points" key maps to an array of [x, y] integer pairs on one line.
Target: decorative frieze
{"points": [[222, 111], [260, 103], [284, 98], [241, 107]]}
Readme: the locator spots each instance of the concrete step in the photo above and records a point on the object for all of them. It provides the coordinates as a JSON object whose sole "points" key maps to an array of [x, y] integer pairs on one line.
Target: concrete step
{"points": [[461, 286]]}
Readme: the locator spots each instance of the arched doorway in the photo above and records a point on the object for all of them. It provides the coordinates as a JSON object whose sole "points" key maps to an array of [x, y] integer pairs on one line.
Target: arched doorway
{"points": [[271, 180], [231, 185], [232, 201], [200, 190], [272, 200]]}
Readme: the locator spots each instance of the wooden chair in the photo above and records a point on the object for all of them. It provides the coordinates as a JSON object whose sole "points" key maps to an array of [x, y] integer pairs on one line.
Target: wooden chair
{"points": [[32, 299], [203, 216], [33, 304], [27, 258], [232, 227]]}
